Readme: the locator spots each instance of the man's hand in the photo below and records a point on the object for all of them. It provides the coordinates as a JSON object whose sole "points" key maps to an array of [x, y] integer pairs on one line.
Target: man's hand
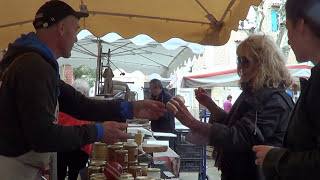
{"points": [[203, 97], [148, 109], [261, 152], [183, 114], [113, 132]]}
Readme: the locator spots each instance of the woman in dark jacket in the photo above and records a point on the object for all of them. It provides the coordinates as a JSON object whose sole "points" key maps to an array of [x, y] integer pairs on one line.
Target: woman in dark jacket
{"points": [[300, 156], [259, 115]]}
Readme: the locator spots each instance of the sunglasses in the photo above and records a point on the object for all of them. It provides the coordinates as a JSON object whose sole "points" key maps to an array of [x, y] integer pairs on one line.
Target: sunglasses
{"points": [[243, 61]]}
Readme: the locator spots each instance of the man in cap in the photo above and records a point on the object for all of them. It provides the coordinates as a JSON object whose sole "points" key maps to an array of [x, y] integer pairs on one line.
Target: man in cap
{"points": [[31, 95]]}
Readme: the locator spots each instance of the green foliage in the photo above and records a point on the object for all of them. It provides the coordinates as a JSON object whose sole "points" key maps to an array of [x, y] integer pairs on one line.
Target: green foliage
{"points": [[84, 72]]}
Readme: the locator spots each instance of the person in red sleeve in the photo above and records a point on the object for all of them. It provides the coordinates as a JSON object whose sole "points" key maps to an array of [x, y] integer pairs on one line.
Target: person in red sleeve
{"points": [[77, 159]]}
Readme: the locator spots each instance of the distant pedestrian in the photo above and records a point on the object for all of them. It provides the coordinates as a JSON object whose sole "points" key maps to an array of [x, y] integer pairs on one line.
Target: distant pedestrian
{"points": [[227, 104]]}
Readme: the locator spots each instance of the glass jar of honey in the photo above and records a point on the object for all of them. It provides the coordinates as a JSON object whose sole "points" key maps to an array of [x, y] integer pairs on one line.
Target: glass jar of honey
{"points": [[112, 152], [122, 158], [135, 171], [132, 163], [144, 168], [94, 170], [132, 151], [154, 172], [97, 175], [99, 151]]}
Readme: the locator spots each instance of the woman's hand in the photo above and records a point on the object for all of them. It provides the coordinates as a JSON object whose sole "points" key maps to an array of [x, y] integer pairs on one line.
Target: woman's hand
{"points": [[203, 97], [183, 114]]}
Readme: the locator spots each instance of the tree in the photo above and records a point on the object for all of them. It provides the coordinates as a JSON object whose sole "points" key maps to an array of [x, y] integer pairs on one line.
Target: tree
{"points": [[257, 22], [282, 33], [84, 72]]}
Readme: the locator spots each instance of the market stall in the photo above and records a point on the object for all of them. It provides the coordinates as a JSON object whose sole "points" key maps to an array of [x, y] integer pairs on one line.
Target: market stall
{"points": [[230, 78]]}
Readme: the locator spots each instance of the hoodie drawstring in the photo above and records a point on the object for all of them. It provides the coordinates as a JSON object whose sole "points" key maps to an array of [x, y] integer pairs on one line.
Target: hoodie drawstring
{"points": [[255, 123]]}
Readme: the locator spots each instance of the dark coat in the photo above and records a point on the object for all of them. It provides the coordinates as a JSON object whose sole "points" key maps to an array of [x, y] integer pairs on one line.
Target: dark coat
{"points": [[166, 122], [300, 156], [259, 118], [28, 99]]}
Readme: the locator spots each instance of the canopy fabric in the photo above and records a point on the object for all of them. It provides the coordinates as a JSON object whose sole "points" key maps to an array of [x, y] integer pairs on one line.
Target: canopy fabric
{"points": [[230, 78], [208, 22], [124, 54]]}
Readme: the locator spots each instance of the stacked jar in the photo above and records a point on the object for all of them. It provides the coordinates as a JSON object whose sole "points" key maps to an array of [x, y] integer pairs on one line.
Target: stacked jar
{"points": [[122, 158], [97, 176], [132, 151], [112, 152], [94, 170], [126, 176], [154, 173], [99, 151], [135, 171], [144, 168]]}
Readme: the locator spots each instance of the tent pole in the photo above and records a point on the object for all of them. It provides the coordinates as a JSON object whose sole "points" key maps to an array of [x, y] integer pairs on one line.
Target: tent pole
{"points": [[97, 85]]}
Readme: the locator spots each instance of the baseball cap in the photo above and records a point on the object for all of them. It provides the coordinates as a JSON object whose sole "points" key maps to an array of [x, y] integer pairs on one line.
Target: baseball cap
{"points": [[54, 11]]}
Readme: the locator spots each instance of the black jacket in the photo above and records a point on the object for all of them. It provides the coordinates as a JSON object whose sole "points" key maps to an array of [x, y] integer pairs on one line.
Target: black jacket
{"points": [[259, 118], [300, 156], [166, 122], [28, 98]]}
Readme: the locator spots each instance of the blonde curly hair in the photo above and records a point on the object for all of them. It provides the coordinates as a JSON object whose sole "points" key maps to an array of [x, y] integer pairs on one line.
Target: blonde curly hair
{"points": [[268, 61]]}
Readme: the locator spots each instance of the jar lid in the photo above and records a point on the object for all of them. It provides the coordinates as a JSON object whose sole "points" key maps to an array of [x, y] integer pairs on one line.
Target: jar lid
{"points": [[98, 163], [99, 144], [135, 167], [115, 147], [153, 169], [98, 178], [126, 178], [122, 151], [126, 175], [94, 167], [97, 175], [131, 144], [119, 143], [133, 162], [144, 178], [143, 164]]}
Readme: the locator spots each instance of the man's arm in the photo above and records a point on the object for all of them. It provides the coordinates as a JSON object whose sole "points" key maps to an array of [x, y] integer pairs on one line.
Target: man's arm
{"points": [[36, 105], [76, 104]]}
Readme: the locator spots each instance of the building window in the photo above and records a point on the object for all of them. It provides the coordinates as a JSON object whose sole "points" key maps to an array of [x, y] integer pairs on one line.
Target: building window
{"points": [[274, 20]]}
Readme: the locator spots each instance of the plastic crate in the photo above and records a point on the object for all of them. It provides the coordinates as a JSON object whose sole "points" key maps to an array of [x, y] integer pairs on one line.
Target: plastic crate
{"points": [[181, 138], [191, 165], [189, 151]]}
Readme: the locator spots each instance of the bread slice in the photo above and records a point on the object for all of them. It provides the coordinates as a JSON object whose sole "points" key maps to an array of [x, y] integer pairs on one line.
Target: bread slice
{"points": [[151, 148]]}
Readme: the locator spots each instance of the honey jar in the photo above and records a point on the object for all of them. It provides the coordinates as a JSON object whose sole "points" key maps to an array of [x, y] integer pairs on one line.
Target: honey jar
{"points": [[144, 168], [135, 171], [154, 172], [132, 151], [99, 151], [132, 163], [97, 175], [122, 158], [94, 170], [112, 152]]}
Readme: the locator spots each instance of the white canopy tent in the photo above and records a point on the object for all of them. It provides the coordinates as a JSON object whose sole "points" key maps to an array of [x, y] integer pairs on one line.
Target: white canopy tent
{"points": [[230, 78], [140, 53]]}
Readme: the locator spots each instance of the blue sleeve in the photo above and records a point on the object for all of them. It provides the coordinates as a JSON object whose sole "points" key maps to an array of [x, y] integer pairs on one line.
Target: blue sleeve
{"points": [[100, 132], [126, 110]]}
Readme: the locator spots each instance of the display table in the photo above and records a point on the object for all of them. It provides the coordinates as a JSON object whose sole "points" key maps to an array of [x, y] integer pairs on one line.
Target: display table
{"points": [[171, 159]]}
